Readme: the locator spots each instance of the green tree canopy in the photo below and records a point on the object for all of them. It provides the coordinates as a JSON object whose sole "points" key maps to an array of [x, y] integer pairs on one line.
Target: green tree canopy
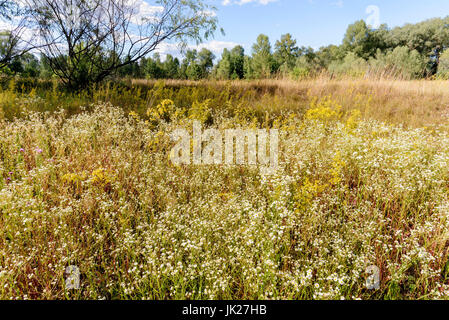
{"points": [[286, 51], [231, 65], [262, 62]]}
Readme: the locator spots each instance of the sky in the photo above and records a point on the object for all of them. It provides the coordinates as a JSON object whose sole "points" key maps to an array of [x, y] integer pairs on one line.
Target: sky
{"points": [[313, 23]]}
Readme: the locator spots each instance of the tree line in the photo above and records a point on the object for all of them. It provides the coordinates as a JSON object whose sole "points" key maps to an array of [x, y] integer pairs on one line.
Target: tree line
{"points": [[409, 52], [103, 44]]}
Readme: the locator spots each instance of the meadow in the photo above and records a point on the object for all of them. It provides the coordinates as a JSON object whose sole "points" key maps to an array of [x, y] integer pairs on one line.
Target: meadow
{"points": [[363, 180]]}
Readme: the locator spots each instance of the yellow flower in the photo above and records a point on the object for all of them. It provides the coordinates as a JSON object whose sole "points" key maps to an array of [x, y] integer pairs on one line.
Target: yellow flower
{"points": [[101, 177], [307, 193], [163, 111], [337, 167], [324, 110], [200, 111], [74, 179], [134, 115], [353, 120]]}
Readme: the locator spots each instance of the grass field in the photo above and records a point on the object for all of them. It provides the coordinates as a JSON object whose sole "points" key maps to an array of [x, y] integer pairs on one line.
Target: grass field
{"points": [[363, 180]]}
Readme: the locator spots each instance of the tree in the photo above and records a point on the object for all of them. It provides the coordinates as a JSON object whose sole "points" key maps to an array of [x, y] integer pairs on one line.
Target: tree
{"points": [[197, 65], [237, 62], [171, 67], [262, 62], [286, 52], [400, 62], [430, 38], [189, 68], [248, 67], [352, 65], [302, 69], [153, 69], [231, 65], [443, 67], [98, 37], [205, 62], [224, 67], [129, 69], [378, 39], [326, 55], [44, 68], [307, 63], [358, 40], [8, 9], [14, 41], [25, 65]]}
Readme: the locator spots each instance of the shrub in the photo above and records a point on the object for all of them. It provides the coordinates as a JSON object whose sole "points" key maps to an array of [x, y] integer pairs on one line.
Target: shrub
{"points": [[352, 65], [443, 67], [302, 69], [399, 63]]}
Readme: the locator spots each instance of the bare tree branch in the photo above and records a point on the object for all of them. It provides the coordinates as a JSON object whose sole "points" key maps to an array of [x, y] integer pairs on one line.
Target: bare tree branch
{"points": [[89, 40]]}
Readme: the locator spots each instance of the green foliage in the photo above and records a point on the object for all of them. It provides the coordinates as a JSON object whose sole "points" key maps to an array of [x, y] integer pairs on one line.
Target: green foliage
{"points": [[429, 38], [170, 67], [237, 62], [351, 65], [231, 65], [363, 41], [443, 67], [262, 63], [154, 68], [224, 67], [303, 68], [409, 52], [357, 40], [400, 63], [197, 65], [131, 69], [286, 52]]}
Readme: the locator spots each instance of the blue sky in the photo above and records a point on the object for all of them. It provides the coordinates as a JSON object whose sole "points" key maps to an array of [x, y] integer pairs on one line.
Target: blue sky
{"points": [[313, 23]]}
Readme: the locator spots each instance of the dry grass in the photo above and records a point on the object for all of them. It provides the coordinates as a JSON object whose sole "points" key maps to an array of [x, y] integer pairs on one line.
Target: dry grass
{"points": [[411, 103], [363, 180]]}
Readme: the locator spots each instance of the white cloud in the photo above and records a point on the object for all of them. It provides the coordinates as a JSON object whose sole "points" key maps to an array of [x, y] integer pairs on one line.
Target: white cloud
{"points": [[143, 11], [242, 2], [17, 28], [165, 48]]}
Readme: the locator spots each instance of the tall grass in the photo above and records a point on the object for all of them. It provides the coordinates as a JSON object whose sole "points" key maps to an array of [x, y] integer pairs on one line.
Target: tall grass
{"points": [[362, 181], [411, 103]]}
